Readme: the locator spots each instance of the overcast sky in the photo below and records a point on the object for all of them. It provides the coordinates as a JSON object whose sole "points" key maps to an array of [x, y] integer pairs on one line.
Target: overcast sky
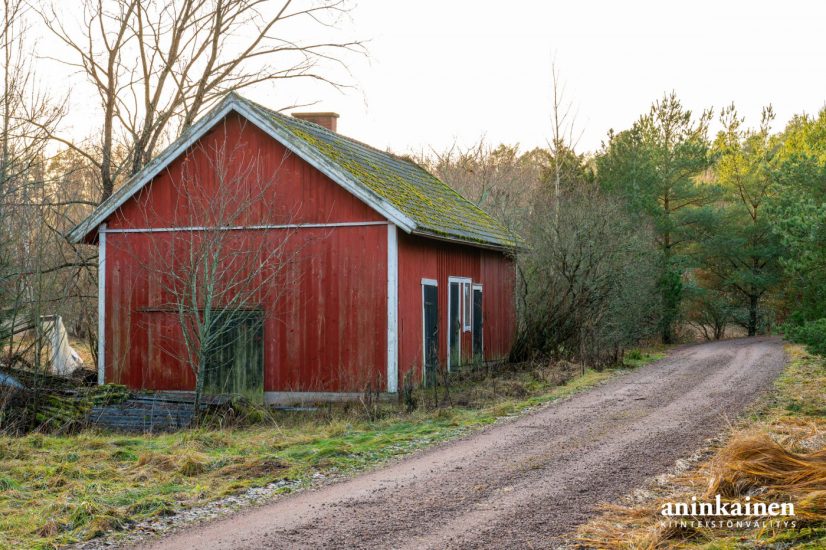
{"points": [[441, 71], [459, 69]]}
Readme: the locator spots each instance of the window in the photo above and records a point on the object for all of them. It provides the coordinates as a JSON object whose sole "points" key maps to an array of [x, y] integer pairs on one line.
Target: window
{"points": [[467, 307]]}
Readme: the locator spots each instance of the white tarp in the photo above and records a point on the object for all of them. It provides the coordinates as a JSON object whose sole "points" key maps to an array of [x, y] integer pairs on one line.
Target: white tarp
{"points": [[63, 359]]}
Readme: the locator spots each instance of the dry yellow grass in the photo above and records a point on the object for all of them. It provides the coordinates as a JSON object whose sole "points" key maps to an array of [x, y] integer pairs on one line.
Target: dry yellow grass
{"points": [[777, 455], [56, 490]]}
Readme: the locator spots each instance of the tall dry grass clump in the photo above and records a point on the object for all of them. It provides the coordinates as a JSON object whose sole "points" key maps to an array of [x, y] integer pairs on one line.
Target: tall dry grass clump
{"points": [[754, 464], [751, 464], [755, 460]]}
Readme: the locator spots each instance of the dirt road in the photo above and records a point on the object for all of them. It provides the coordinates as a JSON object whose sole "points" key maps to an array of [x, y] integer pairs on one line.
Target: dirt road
{"points": [[520, 484]]}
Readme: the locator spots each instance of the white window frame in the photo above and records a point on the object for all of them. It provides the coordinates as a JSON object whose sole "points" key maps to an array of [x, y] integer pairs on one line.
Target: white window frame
{"points": [[461, 281], [467, 305], [480, 288]]}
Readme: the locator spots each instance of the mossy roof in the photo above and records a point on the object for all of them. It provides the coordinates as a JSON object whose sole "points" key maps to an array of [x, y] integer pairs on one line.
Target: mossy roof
{"points": [[434, 206], [399, 188]]}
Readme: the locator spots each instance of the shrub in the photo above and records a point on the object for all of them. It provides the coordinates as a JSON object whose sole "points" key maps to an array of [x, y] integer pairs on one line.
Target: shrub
{"points": [[634, 354], [812, 334]]}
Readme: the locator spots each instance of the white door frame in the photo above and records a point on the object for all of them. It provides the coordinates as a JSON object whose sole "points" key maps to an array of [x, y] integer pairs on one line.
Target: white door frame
{"points": [[428, 282], [481, 288], [460, 280]]}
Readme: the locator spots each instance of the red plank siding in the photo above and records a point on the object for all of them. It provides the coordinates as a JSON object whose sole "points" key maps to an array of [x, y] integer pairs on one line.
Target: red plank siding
{"points": [[432, 259], [294, 191], [327, 332], [326, 329]]}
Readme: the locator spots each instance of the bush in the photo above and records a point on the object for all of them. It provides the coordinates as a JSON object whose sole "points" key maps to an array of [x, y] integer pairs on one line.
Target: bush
{"points": [[634, 354], [812, 334], [588, 283]]}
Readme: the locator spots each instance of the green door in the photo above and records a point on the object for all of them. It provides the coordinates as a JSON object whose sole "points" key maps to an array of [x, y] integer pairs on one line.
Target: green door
{"points": [[430, 317], [235, 362]]}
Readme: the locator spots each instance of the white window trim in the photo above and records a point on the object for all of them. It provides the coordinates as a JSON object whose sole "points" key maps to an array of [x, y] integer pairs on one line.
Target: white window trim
{"points": [[467, 306], [460, 280]]}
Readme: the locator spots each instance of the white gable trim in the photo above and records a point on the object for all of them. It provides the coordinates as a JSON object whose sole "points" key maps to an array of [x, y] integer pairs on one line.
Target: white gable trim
{"points": [[197, 131], [319, 162]]}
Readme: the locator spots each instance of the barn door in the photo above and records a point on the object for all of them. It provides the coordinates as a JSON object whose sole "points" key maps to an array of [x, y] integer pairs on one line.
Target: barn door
{"points": [[478, 327], [235, 362], [454, 325], [430, 321]]}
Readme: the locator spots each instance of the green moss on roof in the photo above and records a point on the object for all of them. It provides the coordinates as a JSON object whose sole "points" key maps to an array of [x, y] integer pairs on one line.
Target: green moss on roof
{"points": [[433, 205]]}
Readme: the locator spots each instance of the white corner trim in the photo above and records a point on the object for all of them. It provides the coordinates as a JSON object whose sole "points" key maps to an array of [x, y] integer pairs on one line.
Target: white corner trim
{"points": [[101, 303], [392, 309]]}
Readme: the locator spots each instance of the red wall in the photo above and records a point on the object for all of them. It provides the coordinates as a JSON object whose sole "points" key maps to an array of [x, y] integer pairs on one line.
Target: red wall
{"points": [[432, 259], [325, 312]]}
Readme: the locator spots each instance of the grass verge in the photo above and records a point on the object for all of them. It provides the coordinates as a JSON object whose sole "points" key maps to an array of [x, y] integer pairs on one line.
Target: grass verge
{"points": [[777, 454], [57, 490]]}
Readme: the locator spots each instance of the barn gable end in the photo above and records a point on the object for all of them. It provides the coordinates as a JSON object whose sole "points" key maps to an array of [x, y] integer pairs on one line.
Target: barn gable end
{"points": [[367, 226]]}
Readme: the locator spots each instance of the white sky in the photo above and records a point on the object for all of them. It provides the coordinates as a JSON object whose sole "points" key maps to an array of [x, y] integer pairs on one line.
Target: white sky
{"points": [[455, 70]]}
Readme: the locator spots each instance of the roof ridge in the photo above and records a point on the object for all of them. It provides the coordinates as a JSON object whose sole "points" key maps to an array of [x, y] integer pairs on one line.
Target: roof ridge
{"points": [[325, 130], [407, 160], [400, 189]]}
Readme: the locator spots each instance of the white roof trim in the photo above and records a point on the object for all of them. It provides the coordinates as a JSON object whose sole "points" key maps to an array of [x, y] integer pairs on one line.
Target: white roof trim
{"points": [[285, 138]]}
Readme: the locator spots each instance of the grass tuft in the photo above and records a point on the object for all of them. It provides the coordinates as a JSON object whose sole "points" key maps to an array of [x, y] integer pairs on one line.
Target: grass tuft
{"points": [[778, 456]]}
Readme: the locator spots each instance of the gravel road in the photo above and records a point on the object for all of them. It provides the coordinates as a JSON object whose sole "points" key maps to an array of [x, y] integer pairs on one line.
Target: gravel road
{"points": [[520, 484]]}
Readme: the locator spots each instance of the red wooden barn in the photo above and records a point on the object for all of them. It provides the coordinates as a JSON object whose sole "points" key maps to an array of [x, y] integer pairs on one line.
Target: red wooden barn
{"points": [[361, 265]]}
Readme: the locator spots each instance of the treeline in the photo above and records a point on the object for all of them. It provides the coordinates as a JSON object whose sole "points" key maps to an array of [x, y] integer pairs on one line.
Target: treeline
{"points": [[666, 232]]}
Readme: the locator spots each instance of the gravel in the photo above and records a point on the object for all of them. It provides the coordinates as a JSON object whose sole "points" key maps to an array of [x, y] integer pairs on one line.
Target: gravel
{"points": [[525, 483]]}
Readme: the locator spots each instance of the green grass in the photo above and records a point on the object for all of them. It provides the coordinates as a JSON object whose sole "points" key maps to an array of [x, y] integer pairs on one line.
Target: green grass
{"points": [[794, 413], [56, 490], [796, 407]]}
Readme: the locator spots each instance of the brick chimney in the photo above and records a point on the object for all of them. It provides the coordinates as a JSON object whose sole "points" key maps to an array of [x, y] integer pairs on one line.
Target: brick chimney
{"points": [[328, 120]]}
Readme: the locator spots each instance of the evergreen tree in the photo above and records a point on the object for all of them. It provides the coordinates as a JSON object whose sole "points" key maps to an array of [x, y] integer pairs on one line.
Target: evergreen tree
{"points": [[655, 166]]}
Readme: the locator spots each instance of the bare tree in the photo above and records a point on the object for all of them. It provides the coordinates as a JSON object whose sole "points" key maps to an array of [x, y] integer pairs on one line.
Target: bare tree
{"points": [[229, 258], [562, 145], [157, 65], [586, 282], [500, 180], [27, 243]]}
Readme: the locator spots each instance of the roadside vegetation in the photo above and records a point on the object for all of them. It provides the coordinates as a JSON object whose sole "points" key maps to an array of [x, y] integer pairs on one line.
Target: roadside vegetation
{"points": [[59, 489], [776, 454], [667, 231]]}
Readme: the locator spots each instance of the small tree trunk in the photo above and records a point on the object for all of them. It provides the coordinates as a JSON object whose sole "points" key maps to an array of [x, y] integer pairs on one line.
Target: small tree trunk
{"points": [[199, 386], [753, 302]]}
